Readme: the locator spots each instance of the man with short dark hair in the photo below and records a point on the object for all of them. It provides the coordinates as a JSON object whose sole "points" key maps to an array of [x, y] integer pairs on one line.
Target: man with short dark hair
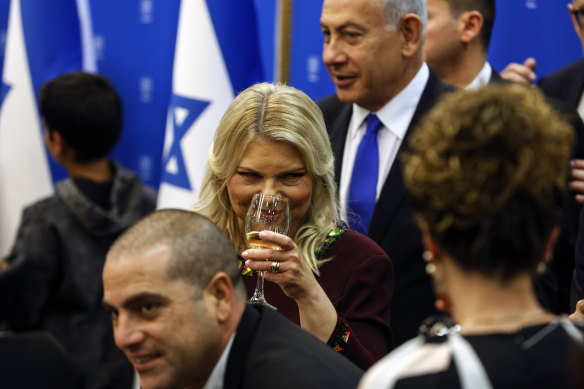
{"points": [[63, 239], [457, 41], [178, 305]]}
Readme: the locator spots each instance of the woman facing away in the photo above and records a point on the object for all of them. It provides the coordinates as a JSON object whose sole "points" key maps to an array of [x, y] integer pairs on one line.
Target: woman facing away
{"points": [[487, 170], [333, 281]]}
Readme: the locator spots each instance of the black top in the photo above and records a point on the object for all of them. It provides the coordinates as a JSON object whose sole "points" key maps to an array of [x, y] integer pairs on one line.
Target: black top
{"points": [[97, 192], [543, 356]]}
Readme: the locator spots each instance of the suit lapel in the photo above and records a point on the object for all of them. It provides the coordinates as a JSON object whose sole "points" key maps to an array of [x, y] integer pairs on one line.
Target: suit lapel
{"points": [[339, 126], [238, 354], [393, 193], [574, 93]]}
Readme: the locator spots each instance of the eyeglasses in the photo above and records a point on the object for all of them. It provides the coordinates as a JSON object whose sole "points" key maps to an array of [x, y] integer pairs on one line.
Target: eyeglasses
{"points": [[579, 15]]}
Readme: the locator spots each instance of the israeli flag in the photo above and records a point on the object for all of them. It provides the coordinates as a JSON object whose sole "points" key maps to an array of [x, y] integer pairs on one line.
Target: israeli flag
{"points": [[216, 56], [44, 39]]}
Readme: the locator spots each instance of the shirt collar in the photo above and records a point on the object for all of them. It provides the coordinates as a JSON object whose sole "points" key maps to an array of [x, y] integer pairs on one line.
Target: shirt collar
{"points": [[397, 114], [217, 377], [482, 79]]}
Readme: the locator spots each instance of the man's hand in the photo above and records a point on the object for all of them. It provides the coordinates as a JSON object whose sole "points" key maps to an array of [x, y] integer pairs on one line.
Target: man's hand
{"points": [[578, 314], [520, 73], [577, 179]]}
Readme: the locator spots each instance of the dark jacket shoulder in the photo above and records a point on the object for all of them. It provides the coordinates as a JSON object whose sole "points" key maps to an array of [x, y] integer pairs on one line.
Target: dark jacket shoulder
{"points": [[271, 351]]}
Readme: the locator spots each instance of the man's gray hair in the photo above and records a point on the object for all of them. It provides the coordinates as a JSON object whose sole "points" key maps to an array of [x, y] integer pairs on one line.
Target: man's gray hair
{"points": [[395, 10]]}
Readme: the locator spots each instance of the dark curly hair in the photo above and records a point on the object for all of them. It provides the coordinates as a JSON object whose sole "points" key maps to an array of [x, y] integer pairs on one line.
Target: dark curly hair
{"points": [[487, 170]]}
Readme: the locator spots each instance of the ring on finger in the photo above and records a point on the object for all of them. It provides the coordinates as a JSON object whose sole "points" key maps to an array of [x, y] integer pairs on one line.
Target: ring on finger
{"points": [[275, 267]]}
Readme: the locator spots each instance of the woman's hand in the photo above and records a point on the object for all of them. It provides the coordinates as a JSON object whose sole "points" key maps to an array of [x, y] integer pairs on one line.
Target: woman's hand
{"points": [[294, 276]]}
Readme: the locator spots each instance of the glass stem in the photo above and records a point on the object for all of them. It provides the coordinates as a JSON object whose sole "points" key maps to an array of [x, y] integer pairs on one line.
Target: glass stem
{"points": [[258, 294]]}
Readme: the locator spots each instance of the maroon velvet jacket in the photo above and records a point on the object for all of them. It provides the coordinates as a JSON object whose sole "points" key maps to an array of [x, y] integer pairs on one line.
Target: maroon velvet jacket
{"points": [[359, 282]]}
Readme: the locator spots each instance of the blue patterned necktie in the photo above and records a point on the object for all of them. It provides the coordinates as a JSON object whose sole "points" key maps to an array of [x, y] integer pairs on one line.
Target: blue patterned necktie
{"points": [[363, 187]]}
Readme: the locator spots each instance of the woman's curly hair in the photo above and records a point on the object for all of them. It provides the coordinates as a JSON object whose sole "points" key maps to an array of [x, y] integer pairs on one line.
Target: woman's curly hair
{"points": [[488, 173]]}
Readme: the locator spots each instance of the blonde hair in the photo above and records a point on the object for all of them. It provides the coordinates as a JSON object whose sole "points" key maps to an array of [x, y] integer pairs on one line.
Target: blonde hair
{"points": [[280, 113], [487, 170]]}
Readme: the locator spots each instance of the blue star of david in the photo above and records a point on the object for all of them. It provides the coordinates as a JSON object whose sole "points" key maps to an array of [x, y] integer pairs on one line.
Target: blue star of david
{"points": [[194, 109], [4, 92]]}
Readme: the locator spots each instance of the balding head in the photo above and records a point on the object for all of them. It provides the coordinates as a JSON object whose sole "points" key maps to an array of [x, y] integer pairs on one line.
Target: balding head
{"points": [[198, 249]]}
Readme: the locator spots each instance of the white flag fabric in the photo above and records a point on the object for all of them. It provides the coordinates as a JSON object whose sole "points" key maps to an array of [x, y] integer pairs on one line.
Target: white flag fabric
{"points": [[203, 88], [24, 171], [43, 41]]}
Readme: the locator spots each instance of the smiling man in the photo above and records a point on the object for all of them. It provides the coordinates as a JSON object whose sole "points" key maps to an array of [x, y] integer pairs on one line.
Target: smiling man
{"points": [[373, 50], [179, 313]]}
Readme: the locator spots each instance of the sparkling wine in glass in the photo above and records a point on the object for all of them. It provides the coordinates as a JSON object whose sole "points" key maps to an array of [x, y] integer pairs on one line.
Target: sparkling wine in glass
{"points": [[266, 212]]}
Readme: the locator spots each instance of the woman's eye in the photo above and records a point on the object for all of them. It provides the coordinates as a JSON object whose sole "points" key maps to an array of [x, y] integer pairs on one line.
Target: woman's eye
{"points": [[248, 174], [292, 178]]}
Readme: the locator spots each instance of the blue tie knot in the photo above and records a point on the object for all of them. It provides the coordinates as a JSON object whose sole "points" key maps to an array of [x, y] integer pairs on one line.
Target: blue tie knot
{"points": [[373, 124]]}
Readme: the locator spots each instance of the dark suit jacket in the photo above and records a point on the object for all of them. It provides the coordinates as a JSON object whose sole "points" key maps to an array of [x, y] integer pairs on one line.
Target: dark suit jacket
{"points": [[553, 287], [269, 351], [392, 225], [567, 86], [578, 281], [35, 360]]}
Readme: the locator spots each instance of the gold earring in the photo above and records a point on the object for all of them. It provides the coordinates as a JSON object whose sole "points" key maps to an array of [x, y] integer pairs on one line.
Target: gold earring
{"points": [[541, 267]]}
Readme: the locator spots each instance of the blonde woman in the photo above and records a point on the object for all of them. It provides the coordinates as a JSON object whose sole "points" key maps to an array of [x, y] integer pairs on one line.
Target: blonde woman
{"points": [[334, 282]]}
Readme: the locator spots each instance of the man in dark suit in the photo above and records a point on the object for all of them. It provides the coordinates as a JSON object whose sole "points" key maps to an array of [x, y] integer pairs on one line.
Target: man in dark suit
{"points": [[456, 47], [178, 305], [567, 85], [373, 51]]}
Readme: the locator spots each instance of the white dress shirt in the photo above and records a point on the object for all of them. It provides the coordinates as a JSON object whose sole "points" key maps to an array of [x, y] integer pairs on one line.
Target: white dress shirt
{"points": [[482, 79], [395, 116], [217, 377], [580, 108]]}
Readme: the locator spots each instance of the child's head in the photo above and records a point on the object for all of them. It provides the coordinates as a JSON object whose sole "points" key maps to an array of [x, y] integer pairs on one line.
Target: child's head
{"points": [[86, 111]]}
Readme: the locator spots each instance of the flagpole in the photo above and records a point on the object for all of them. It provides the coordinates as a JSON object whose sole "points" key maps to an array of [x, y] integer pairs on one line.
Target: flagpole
{"points": [[284, 43]]}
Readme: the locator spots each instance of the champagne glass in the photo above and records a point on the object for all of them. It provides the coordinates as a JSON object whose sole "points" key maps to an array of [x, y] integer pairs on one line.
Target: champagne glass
{"points": [[266, 212]]}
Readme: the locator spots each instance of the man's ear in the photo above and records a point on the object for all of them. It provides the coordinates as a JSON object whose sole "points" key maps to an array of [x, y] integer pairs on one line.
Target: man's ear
{"points": [[411, 28], [54, 141], [471, 25], [220, 291]]}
